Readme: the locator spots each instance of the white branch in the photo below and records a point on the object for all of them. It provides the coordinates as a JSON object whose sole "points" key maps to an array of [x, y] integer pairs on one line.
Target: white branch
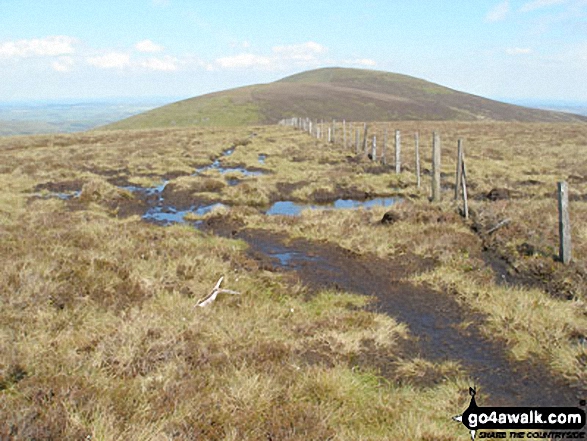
{"points": [[214, 293]]}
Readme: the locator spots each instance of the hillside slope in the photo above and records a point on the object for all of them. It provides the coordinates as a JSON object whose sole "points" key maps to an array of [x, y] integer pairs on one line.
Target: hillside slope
{"points": [[339, 93]]}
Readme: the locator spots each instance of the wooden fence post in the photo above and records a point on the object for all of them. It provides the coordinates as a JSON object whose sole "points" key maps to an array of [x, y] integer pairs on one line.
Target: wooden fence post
{"points": [[357, 137], [365, 139], [436, 196], [333, 131], [417, 142], [344, 134], [464, 185], [329, 134], [459, 173], [398, 149], [564, 223], [374, 149], [384, 152]]}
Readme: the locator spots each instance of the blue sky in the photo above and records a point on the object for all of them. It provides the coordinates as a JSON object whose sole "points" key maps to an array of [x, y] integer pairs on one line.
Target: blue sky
{"points": [[507, 49]]}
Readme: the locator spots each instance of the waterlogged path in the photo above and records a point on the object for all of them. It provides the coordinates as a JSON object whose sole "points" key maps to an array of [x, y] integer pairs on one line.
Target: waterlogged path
{"points": [[435, 319]]}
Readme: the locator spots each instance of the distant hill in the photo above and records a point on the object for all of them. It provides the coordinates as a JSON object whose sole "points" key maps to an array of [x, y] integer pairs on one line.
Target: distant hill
{"points": [[340, 93]]}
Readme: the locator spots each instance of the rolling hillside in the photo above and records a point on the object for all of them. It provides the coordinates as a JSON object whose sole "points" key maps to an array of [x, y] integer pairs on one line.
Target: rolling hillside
{"points": [[340, 93]]}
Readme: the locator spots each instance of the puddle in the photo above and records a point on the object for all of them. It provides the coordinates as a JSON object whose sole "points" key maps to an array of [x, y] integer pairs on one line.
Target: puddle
{"points": [[216, 165], [435, 318], [165, 215], [289, 208], [147, 191], [262, 157]]}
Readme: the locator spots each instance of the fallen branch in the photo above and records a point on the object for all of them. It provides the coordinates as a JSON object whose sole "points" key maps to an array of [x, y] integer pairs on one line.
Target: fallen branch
{"points": [[503, 223], [214, 293]]}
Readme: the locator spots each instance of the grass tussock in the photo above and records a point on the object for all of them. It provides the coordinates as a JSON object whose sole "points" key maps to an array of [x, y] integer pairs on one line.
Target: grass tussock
{"points": [[99, 335]]}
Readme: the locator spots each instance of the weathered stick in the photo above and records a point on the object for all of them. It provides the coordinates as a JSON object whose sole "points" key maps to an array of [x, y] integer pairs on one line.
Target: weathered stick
{"points": [[374, 149], [214, 293], [564, 223], [503, 223], [436, 196]]}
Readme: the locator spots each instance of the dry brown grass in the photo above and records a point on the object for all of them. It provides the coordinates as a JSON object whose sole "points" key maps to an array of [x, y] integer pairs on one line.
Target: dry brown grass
{"points": [[100, 337]]}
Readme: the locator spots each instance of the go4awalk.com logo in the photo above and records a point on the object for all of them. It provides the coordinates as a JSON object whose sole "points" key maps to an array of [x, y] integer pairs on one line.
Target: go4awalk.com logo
{"points": [[533, 422]]}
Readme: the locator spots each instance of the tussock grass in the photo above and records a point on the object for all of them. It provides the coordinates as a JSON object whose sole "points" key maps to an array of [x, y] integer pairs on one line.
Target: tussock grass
{"points": [[99, 335]]}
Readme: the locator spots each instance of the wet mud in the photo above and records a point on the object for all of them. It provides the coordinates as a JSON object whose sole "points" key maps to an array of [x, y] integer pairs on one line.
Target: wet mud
{"points": [[443, 329]]}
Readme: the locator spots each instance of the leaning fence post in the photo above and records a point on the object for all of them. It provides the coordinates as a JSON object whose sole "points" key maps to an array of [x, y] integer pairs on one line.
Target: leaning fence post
{"points": [[459, 169], [436, 168], [365, 140], [398, 149], [464, 185], [417, 142], [564, 223]]}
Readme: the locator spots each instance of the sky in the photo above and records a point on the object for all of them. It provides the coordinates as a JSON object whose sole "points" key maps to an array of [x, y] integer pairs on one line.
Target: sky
{"points": [[502, 49]]}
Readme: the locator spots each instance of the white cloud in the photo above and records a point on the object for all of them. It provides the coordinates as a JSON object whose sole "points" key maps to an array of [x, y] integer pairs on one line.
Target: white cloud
{"points": [[305, 51], [166, 64], [367, 62], [148, 46], [49, 46], [111, 60], [63, 64], [518, 51], [499, 12], [244, 61], [538, 4]]}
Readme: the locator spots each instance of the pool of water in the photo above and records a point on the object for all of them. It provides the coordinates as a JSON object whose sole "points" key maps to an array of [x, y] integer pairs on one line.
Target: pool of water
{"points": [[289, 208], [167, 215]]}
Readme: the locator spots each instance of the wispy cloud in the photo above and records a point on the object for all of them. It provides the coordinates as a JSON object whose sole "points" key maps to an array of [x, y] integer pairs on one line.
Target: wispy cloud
{"points": [[63, 64], [111, 60], [364, 62], [165, 64], [518, 51], [539, 4], [499, 12], [148, 46], [49, 46], [244, 61], [305, 51], [281, 57]]}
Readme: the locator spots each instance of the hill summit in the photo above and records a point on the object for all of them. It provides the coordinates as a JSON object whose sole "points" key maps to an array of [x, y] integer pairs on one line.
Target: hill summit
{"points": [[337, 93]]}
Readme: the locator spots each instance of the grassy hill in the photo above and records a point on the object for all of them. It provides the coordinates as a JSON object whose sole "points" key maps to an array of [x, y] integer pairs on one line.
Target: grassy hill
{"points": [[340, 93]]}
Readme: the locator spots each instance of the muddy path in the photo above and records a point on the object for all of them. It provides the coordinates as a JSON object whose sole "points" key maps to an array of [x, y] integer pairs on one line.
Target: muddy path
{"points": [[444, 330]]}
